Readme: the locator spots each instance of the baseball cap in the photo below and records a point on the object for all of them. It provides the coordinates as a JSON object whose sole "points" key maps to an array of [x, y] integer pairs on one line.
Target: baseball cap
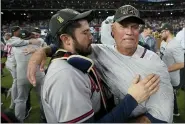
{"points": [[25, 34], [15, 28], [64, 16], [36, 30], [128, 12], [166, 26]]}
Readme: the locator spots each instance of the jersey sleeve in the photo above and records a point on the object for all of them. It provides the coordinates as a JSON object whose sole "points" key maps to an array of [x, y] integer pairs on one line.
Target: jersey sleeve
{"points": [[18, 42], [69, 97]]}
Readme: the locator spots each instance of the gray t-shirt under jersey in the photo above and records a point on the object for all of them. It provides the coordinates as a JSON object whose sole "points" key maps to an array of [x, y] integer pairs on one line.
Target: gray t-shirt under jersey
{"points": [[118, 71], [171, 53]]}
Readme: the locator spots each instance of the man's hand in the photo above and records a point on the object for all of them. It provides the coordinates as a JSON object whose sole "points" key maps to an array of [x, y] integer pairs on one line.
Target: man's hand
{"points": [[139, 119], [142, 90], [37, 59]]}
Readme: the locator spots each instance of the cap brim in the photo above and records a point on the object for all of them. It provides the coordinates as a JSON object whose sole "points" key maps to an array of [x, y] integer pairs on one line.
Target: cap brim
{"points": [[131, 18], [85, 15]]}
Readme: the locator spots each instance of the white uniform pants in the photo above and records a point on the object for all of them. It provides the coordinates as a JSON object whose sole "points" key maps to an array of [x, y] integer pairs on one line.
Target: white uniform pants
{"points": [[22, 96], [12, 68]]}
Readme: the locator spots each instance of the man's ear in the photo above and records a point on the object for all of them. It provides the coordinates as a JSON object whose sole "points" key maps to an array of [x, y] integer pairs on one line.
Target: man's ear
{"points": [[65, 39], [113, 28]]}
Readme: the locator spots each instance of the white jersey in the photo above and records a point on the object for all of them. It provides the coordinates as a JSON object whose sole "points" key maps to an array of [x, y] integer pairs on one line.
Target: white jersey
{"points": [[106, 37], [13, 42], [22, 62], [181, 38], [117, 71], [172, 53], [43, 44], [67, 94], [16, 42]]}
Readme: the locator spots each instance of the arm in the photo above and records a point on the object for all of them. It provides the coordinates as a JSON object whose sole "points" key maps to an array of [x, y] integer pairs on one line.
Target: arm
{"points": [[20, 42], [136, 94], [119, 113], [178, 55], [175, 67], [39, 58]]}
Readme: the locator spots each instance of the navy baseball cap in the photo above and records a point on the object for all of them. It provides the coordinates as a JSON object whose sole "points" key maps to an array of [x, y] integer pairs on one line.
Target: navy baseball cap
{"points": [[128, 12], [64, 16]]}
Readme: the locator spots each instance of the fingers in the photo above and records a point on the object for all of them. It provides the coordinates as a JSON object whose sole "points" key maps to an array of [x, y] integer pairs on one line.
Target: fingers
{"points": [[152, 81], [154, 90], [25, 51], [42, 65], [154, 85], [148, 78], [136, 79]]}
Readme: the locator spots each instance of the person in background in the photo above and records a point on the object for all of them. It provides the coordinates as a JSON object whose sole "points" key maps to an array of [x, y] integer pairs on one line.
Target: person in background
{"points": [[172, 54], [181, 37], [147, 38]]}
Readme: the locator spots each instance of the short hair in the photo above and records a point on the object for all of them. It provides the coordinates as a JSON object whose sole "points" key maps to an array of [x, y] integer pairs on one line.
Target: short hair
{"points": [[68, 29]]}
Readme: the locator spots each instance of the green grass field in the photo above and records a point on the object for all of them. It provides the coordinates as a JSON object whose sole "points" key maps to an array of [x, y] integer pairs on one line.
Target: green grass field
{"points": [[35, 114]]}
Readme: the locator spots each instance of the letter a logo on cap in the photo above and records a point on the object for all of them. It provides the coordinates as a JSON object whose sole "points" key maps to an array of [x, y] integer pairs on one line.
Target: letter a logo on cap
{"points": [[60, 19]]}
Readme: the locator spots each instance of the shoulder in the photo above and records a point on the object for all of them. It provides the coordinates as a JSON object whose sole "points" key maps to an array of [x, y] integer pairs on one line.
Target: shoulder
{"points": [[61, 70], [149, 55], [152, 56], [63, 76], [100, 48], [180, 33], [163, 43], [174, 43]]}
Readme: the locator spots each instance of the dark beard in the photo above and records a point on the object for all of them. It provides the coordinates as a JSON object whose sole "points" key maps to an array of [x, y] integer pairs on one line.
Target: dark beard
{"points": [[81, 50]]}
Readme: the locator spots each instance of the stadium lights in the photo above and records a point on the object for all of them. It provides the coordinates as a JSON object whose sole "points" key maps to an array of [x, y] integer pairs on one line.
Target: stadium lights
{"points": [[2, 13], [99, 12], [168, 4], [51, 12], [171, 13], [159, 13], [24, 13]]}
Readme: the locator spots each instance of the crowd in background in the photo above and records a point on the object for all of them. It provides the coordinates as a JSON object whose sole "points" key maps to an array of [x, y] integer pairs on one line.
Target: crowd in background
{"points": [[177, 23], [85, 4]]}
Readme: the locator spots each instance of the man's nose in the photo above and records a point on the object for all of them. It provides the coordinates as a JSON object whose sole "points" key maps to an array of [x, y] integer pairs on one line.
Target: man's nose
{"points": [[129, 31]]}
